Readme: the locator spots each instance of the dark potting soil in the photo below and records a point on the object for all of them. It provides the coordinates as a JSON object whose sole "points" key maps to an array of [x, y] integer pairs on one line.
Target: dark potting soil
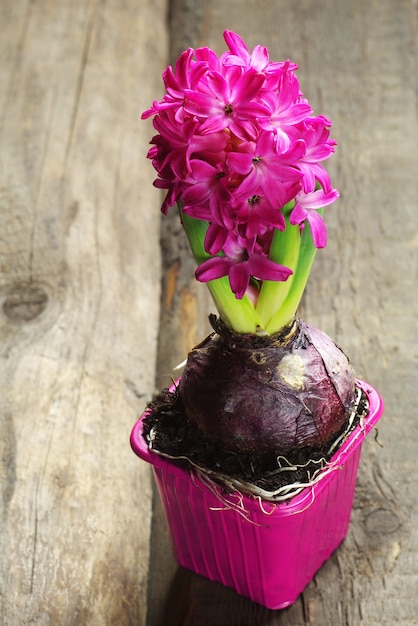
{"points": [[173, 435]]}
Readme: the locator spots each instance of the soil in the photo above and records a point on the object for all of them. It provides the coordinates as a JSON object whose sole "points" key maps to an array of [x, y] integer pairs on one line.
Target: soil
{"points": [[173, 435]]}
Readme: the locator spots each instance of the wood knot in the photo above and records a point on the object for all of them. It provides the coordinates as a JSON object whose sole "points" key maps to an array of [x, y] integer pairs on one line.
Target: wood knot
{"points": [[382, 522], [25, 302]]}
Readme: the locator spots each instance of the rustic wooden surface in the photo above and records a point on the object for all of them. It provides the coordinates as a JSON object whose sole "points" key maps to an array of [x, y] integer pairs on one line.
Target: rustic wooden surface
{"points": [[82, 540], [79, 310]]}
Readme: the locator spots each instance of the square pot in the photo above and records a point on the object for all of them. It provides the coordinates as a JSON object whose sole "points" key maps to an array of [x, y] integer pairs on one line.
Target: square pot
{"points": [[266, 551]]}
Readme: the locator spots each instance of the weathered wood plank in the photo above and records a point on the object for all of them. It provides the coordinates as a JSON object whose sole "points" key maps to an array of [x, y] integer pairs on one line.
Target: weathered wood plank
{"points": [[79, 289], [358, 65]]}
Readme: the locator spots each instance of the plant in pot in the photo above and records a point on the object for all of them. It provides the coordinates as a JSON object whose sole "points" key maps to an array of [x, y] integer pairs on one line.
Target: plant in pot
{"points": [[255, 448]]}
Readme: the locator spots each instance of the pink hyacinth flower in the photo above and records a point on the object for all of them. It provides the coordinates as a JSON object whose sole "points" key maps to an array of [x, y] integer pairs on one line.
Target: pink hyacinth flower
{"points": [[240, 264], [306, 209]]}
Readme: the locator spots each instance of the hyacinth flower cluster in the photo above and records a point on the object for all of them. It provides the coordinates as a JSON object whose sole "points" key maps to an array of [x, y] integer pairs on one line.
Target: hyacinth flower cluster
{"points": [[240, 152]]}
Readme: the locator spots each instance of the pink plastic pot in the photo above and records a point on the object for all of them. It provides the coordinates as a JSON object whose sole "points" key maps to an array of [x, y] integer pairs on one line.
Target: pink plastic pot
{"points": [[266, 551]]}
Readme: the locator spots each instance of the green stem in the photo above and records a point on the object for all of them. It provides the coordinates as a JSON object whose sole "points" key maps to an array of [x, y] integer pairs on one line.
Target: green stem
{"points": [[287, 310], [284, 250]]}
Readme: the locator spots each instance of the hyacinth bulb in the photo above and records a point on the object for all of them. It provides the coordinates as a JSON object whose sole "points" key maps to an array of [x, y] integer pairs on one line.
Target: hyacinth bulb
{"points": [[261, 394]]}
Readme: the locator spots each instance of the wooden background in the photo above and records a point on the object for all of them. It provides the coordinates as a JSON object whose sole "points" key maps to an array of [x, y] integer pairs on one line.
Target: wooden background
{"points": [[93, 318]]}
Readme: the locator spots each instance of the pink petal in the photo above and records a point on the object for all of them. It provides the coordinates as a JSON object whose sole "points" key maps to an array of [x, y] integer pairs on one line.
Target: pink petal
{"points": [[200, 104], [212, 268], [243, 129], [236, 45], [251, 110], [215, 239], [318, 199], [239, 278], [240, 162], [208, 56], [259, 57], [215, 123], [318, 229], [196, 193], [298, 215], [265, 269], [219, 86], [247, 86], [316, 222], [198, 211]]}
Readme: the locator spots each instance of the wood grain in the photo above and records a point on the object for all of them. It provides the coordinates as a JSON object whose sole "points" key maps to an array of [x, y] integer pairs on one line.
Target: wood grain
{"points": [[82, 537], [79, 314], [359, 66]]}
